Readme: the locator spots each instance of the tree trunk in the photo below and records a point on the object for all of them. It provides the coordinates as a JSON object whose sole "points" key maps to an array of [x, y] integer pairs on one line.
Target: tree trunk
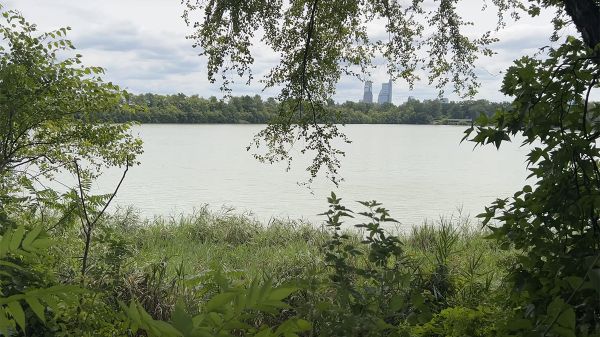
{"points": [[586, 16]]}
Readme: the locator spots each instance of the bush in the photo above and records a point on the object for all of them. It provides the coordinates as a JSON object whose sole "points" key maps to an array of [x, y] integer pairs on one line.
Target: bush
{"points": [[461, 322]]}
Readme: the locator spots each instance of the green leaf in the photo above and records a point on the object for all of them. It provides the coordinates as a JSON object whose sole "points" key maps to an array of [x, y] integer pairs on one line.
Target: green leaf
{"points": [[215, 318], [11, 265], [16, 239], [519, 324], [304, 325], [417, 300], [567, 318], [31, 236], [574, 281], [132, 313], [266, 332], [293, 326], [17, 313], [36, 307], [563, 332], [219, 301], [202, 332], [181, 320], [397, 302], [281, 293], [164, 329], [41, 244], [5, 243], [6, 325], [555, 307]]}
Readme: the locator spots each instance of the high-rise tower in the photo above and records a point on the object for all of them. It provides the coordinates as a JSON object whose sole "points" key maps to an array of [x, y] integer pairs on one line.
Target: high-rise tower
{"points": [[368, 92], [385, 95]]}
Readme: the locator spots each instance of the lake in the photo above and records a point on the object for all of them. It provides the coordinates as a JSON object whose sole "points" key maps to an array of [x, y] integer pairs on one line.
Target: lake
{"points": [[419, 172]]}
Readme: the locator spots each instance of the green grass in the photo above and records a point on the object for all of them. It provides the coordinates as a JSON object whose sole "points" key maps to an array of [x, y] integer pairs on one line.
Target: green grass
{"points": [[163, 260], [206, 241], [287, 249]]}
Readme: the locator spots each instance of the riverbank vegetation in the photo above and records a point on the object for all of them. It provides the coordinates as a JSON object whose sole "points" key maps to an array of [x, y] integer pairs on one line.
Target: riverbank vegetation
{"points": [[327, 281], [153, 108]]}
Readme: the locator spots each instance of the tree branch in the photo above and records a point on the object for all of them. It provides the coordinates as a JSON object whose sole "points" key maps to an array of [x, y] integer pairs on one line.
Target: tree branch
{"points": [[309, 34]]}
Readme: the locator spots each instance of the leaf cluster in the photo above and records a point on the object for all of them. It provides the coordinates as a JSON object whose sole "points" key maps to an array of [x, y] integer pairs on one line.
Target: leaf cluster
{"points": [[555, 221]]}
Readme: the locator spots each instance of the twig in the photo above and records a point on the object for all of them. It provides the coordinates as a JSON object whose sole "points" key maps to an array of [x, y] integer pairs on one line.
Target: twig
{"points": [[89, 225]]}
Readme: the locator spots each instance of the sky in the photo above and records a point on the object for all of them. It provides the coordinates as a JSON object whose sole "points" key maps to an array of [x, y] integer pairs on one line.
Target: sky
{"points": [[143, 47]]}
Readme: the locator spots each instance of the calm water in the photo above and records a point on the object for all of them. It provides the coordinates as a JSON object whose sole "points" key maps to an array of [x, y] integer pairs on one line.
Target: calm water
{"points": [[418, 172]]}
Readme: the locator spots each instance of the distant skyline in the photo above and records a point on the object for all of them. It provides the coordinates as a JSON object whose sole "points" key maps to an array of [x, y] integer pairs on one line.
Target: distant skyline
{"points": [[142, 46]]}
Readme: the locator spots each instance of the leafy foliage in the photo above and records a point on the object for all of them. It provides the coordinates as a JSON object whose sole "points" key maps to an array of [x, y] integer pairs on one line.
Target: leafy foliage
{"points": [[459, 321], [364, 307], [318, 43], [225, 314], [49, 101], [17, 245], [380, 286], [554, 222]]}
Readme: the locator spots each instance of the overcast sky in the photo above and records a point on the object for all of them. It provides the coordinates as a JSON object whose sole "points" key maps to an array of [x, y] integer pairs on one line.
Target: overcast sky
{"points": [[142, 46]]}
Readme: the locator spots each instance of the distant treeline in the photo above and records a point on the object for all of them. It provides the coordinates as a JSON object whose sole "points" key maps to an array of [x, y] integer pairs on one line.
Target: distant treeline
{"points": [[153, 108]]}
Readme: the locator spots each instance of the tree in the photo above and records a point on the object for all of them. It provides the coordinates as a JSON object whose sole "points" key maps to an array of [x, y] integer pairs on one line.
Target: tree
{"points": [[49, 105], [319, 41], [555, 223]]}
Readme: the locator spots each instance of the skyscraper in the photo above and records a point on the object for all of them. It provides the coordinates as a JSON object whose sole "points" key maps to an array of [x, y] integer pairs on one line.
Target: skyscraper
{"points": [[385, 95], [368, 92]]}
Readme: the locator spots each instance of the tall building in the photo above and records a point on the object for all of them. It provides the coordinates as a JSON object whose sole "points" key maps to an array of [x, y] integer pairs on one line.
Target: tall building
{"points": [[385, 95], [368, 92]]}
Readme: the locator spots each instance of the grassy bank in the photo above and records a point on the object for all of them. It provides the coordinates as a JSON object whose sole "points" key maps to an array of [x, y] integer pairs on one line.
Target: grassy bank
{"points": [[205, 241], [190, 259]]}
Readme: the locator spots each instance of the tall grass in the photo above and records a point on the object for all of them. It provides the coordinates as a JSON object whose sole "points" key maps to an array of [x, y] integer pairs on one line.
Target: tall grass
{"points": [[165, 259]]}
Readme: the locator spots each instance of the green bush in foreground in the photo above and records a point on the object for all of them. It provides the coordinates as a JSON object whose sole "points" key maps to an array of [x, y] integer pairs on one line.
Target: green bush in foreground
{"points": [[459, 322]]}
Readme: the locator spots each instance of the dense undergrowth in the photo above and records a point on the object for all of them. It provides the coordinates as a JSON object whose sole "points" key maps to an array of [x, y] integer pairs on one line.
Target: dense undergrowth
{"points": [[437, 279]]}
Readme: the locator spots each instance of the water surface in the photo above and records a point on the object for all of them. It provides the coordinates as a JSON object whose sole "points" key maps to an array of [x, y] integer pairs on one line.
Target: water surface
{"points": [[419, 172]]}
